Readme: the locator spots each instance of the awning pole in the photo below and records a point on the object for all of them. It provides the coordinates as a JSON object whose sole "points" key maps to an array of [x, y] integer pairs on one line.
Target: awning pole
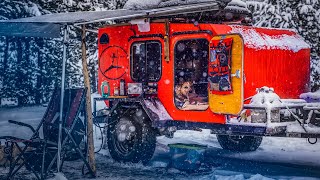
{"points": [[64, 59], [86, 78]]}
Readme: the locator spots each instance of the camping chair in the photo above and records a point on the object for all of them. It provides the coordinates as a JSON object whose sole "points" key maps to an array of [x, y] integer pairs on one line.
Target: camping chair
{"points": [[39, 154]]}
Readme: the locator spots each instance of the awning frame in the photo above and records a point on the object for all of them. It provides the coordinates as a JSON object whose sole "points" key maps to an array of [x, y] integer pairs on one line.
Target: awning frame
{"points": [[51, 25]]}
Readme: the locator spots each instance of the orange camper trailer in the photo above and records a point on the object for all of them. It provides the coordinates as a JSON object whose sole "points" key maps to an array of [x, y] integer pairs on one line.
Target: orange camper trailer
{"points": [[159, 75]]}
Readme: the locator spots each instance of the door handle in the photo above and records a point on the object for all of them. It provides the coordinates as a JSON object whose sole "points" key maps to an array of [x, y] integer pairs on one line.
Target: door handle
{"points": [[237, 74]]}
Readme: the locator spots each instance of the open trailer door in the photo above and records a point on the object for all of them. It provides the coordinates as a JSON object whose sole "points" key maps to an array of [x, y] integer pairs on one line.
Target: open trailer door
{"points": [[226, 74]]}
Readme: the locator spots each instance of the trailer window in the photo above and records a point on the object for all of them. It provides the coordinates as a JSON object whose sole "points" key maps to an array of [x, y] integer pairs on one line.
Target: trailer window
{"points": [[146, 61], [191, 71]]}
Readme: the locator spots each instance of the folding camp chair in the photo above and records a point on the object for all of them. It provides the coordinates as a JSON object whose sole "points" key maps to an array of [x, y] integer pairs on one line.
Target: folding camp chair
{"points": [[39, 154]]}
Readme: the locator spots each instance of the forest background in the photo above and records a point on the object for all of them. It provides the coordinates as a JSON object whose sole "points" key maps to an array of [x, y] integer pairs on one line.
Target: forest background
{"points": [[31, 67]]}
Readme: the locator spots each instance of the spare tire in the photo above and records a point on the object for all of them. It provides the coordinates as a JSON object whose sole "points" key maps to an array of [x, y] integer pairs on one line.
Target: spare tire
{"points": [[239, 143]]}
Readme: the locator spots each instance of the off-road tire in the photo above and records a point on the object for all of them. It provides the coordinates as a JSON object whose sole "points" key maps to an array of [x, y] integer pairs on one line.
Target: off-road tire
{"points": [[239, 143], [140, 148]]}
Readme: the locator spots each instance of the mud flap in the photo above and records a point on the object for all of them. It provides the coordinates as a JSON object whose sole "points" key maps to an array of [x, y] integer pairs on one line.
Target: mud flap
{"points": [[156, 112]]}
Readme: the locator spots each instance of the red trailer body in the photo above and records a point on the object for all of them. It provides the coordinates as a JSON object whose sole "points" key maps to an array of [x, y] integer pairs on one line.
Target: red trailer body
{"points": [[266, 62]]}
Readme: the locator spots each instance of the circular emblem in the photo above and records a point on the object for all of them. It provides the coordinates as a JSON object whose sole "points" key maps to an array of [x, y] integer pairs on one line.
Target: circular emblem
{"points": [[113, 62]]}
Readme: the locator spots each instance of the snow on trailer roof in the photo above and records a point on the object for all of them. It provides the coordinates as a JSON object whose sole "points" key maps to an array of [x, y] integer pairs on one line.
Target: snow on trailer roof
{"points": [[49, 26], [266, 38]]}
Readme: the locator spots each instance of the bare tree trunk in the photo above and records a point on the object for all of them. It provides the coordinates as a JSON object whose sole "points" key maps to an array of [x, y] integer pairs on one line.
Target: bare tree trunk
{"points": [[88, 103]]}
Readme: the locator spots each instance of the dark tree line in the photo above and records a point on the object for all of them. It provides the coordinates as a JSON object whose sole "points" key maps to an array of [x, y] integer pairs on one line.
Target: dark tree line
{"points": [[301, 15], [31, 67]]}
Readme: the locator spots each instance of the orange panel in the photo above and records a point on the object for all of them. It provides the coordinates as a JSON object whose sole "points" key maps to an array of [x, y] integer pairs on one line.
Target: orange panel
{"points": [[230, 103]]}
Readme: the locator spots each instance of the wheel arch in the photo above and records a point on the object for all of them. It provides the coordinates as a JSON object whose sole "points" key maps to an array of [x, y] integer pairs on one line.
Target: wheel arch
{"points": [[150, 110]]}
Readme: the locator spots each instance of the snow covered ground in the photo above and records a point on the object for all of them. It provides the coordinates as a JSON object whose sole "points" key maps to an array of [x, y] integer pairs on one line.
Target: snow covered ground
{"points": [[277, 158]]}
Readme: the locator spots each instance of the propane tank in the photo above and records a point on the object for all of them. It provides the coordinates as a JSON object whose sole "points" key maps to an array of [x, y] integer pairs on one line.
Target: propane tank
{"points": [[116, 91], [122, 87], [103, 93]]}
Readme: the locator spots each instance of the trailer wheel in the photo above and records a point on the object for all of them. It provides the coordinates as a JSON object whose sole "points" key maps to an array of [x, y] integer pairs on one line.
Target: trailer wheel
{"points": [[130, 141], [239, 143]]}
